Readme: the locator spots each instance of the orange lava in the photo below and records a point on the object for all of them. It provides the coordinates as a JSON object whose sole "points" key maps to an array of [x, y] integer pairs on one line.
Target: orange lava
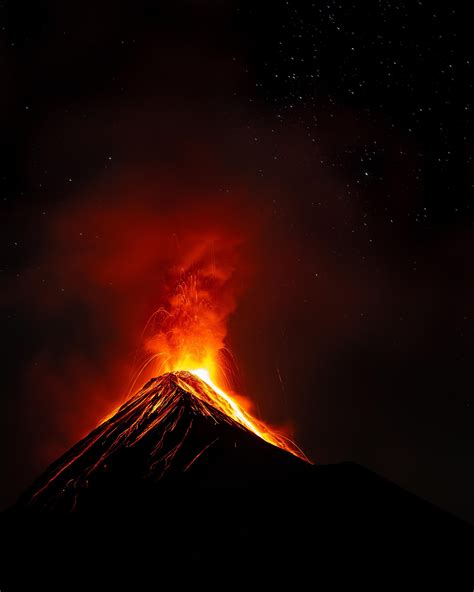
{"points": [[225, 403]]}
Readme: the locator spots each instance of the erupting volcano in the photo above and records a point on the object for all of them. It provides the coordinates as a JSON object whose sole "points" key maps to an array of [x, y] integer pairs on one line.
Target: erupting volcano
{"points": [[160, 458], [176, 429], [181, 426]]}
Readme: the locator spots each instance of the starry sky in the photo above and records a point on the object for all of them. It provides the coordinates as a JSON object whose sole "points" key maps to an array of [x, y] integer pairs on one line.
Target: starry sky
{"points": [[336, 141]]}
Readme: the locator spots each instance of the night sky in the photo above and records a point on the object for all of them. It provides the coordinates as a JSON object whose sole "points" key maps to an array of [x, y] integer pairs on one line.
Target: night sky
{"points": [[332, 142]]}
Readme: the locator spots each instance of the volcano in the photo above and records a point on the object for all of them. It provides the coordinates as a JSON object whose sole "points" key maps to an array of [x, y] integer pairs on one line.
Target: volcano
{"points": [[181, 476], [174, 432]]}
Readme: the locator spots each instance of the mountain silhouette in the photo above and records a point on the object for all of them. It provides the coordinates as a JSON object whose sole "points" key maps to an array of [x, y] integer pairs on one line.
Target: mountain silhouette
{"points": [[172, 482], [168, 434]]}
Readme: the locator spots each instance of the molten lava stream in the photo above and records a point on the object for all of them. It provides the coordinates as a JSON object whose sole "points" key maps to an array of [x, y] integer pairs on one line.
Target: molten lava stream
{"points": [[225, 404]]}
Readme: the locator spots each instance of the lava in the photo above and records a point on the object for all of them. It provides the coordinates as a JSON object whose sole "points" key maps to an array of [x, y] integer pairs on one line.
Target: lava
{"points": [[225, 403]]}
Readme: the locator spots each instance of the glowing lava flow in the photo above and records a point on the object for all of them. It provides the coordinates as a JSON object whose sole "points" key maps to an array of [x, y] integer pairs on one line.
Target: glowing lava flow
{"points": [[227, 405]]}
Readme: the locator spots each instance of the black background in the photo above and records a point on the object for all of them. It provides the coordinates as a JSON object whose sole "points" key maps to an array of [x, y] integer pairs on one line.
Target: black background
{"points": [[348, 125]]}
